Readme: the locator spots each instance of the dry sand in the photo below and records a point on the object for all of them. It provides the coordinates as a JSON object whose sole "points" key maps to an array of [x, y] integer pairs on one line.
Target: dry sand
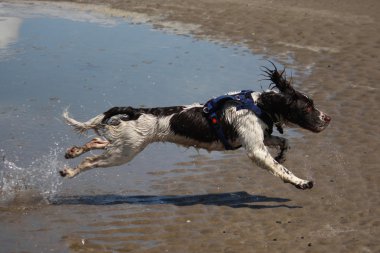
{"points": [[339, 41]]}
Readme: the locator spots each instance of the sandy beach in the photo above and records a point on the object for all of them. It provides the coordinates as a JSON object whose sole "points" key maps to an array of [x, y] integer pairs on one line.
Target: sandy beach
{"points": [[336, 44]]}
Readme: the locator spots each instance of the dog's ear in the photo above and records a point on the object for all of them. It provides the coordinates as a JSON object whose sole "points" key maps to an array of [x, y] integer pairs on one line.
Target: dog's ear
{"points": [[275, 102], [279, 80]]}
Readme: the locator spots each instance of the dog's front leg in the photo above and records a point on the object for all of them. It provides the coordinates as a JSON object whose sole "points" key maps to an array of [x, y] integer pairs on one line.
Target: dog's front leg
{"points": [[262, 158], [252, 138], [270, 140]]}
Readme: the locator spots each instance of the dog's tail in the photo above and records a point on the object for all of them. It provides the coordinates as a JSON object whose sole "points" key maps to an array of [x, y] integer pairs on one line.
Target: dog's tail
{"points": [[82, 127]]}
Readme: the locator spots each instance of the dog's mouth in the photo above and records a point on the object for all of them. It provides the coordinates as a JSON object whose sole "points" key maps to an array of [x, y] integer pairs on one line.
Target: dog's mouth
{"points": [[319, 125], [319, 128]]}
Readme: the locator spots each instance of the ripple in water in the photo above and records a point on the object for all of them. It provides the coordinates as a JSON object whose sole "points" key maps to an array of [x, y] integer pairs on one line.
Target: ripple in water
{"points": [[37, 181]]}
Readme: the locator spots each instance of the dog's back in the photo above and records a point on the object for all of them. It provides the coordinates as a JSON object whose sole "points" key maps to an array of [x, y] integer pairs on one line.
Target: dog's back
{"points": [[129, 130]]}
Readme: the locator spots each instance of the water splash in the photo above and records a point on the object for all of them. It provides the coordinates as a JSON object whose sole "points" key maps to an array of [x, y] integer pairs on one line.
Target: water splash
{"points": [[39, 179]]}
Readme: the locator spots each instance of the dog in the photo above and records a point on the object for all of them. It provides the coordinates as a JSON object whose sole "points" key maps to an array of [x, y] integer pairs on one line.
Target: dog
{"points": [[126, 131]]}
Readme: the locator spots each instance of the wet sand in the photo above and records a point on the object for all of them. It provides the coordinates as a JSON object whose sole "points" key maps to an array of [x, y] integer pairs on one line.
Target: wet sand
{"points": [[339, 43]]}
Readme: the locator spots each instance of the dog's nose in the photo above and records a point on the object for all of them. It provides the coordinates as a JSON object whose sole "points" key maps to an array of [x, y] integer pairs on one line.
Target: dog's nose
{"points": [[326, 118]]}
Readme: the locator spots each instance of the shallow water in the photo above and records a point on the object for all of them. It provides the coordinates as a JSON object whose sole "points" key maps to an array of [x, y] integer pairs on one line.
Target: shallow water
{"points": [[61, 57]]}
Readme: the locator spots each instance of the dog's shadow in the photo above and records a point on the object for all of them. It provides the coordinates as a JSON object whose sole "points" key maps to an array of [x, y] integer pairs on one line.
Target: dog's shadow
{"points": [[233, 199]]}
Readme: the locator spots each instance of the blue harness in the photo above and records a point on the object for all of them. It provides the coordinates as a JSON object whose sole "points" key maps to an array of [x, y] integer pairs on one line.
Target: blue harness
{"points": [[243, 100]]}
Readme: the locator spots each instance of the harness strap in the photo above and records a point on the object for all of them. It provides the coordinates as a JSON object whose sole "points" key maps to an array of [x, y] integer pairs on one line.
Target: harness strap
{"points": [[243, 100], [216, 124]]}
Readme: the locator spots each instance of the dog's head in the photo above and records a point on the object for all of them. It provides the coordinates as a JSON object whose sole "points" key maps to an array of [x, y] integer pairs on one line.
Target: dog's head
{"points": [[292, 105]]}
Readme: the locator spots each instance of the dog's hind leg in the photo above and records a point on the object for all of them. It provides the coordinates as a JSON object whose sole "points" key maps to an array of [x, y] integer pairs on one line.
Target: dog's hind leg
{"points": [[283, 143], [108, 159], [96, 143]]}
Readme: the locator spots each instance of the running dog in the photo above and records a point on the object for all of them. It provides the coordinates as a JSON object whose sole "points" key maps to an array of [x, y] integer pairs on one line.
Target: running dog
{"points": [[126, 131]]}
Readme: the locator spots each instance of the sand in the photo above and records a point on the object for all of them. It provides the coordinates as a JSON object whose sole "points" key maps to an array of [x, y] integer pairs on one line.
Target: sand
{"points": [[337, 45]]}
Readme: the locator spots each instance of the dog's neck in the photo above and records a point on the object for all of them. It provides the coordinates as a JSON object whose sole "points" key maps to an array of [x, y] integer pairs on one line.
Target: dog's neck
{"points": [[274, 105]]}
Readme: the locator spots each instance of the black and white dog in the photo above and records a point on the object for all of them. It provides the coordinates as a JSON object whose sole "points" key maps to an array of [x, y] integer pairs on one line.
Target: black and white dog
{"points": [[127, 131]]}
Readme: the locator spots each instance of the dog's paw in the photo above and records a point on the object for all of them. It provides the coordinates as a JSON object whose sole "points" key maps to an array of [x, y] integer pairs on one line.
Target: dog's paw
{"points": [[306, 185], [73, 152], [63, 173], [66, 172]]}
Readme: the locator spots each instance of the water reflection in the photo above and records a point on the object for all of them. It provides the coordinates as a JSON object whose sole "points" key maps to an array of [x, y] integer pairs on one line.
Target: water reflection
{"points": [[9, 33], [53, 57], [90, 62]]}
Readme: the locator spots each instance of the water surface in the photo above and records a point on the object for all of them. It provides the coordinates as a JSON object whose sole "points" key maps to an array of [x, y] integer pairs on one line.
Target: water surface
{"points": [[49, 62], [90, 62]]}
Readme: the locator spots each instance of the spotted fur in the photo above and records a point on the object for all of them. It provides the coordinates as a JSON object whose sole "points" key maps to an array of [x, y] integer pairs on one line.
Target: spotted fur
{"points": [[127, 130]]}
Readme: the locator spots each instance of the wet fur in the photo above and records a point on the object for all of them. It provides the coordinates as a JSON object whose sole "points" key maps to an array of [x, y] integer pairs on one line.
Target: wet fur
{"points": [[127, 130]]}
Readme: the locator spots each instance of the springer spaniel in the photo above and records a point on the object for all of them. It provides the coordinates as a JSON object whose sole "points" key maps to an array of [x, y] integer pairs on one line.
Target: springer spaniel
{"points": [[126, 131]]}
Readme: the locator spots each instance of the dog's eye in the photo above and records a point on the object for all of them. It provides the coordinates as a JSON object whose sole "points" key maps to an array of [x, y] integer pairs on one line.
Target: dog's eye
{"points": [[308, 109]]}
